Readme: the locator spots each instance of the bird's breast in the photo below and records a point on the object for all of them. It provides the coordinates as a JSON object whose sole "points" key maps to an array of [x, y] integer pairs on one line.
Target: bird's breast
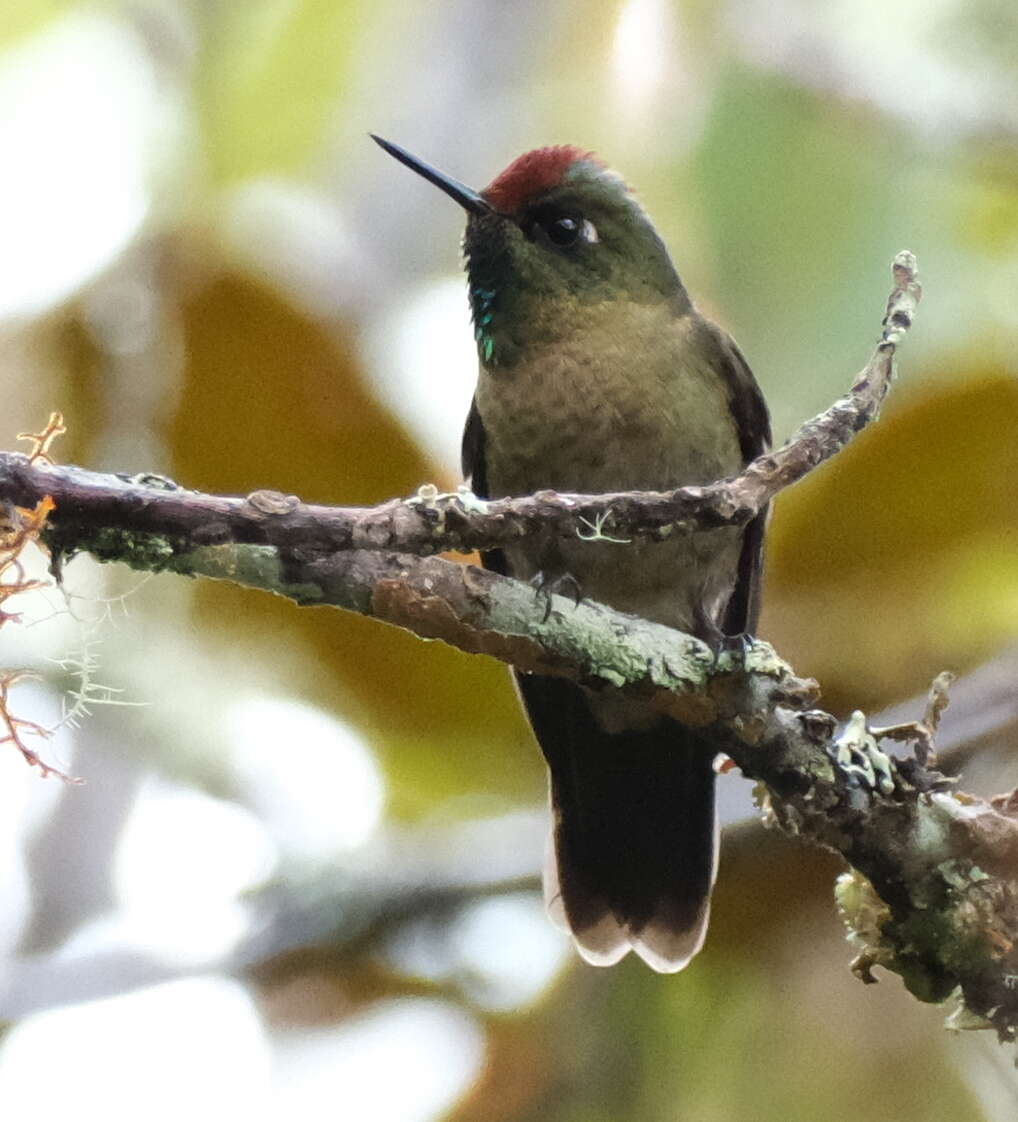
{"points": [[628, 405], [624, 406]]}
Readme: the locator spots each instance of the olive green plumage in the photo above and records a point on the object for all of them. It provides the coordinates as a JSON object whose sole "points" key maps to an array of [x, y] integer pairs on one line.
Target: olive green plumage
{"points": [[598, 374]]}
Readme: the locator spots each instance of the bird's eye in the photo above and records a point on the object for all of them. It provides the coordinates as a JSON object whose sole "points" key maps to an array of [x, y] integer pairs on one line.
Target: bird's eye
{"points": [[560, 228], [562, 231]]}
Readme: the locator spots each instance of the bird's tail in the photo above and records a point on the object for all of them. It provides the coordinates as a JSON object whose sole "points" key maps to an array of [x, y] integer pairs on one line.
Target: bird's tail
{"points": [[633, 850]]}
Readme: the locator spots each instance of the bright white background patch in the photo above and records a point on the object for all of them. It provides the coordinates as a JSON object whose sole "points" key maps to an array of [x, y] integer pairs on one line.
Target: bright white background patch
{"points": [[192, 1048], [83, 121], [310, 776], [641, 52], [424, 363], [404, 1060]]}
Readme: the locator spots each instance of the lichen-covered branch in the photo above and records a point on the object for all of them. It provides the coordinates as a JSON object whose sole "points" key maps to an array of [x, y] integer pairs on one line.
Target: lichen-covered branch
{"points": [[932, 893], [433, 523]]}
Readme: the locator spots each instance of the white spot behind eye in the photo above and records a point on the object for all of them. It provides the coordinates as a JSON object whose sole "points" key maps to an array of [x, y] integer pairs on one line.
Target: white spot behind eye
{"points": [[589, 231]]}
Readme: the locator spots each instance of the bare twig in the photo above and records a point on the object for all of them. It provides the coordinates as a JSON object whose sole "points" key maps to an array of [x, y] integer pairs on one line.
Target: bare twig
{"points": [[42, 442]]}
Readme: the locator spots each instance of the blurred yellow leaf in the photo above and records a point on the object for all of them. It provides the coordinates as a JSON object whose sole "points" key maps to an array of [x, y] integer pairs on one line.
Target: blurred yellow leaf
{"points": [[900, 558], [987, 210]]}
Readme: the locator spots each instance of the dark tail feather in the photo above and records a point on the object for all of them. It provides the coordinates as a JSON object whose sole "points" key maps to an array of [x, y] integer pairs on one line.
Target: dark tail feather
{"points": [[634, 832]]}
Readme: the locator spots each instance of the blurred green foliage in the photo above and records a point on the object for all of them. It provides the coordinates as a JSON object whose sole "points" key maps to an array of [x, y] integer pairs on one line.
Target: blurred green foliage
{"points": [[22, 18], [269, 79]]}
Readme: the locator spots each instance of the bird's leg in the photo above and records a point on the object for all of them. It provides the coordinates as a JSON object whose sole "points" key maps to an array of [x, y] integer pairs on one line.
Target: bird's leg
{"points": [[563, 584], [706, 629]]}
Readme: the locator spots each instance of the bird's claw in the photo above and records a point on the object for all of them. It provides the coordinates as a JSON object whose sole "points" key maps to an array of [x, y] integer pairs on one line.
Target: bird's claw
{"points": [[731, 652], [857, 755], [736, 646]]}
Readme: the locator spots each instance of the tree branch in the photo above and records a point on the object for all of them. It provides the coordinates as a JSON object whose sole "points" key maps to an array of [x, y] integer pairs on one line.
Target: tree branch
{"points": [[433, 523], [932, 895]]}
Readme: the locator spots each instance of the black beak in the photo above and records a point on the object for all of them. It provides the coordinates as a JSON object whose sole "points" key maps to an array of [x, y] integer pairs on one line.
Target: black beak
{"points": [[465, 196]]}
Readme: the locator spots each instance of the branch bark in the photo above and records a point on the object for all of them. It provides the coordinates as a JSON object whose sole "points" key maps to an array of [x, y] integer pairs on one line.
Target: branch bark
{"points": [[932, 894]]}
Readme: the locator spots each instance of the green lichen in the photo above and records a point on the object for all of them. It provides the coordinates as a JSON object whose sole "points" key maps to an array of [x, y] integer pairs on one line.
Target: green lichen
{"points": [[250, 565], [255, 566], [151, 553], [930, 948]]}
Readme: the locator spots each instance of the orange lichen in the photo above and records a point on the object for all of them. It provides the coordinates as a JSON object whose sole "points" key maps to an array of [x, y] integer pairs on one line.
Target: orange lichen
{"points": [[20, 528]]}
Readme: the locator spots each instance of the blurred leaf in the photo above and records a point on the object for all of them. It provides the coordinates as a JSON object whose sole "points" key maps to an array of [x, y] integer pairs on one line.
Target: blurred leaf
{"points": [[270, 79], [53, 367], [900, 558], [802, 218], [273, 400], [982, 34], [987, 210]]}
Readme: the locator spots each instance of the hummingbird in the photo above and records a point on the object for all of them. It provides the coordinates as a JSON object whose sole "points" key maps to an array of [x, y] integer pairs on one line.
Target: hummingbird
{"points": [[597, 373]]}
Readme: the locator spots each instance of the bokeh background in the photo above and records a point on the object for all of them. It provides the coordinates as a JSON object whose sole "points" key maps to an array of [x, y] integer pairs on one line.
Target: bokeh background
{"points": [[302, 875]]}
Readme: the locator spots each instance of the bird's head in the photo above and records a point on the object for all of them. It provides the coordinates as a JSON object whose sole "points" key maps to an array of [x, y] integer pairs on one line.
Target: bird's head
{"points": [[554, 238]]}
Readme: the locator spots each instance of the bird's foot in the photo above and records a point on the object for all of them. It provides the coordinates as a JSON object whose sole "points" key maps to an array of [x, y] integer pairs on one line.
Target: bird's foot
{"points": [[705, 629], [562, 584], [747, 654], [856, 753], [736, 646], [731, 652]]}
